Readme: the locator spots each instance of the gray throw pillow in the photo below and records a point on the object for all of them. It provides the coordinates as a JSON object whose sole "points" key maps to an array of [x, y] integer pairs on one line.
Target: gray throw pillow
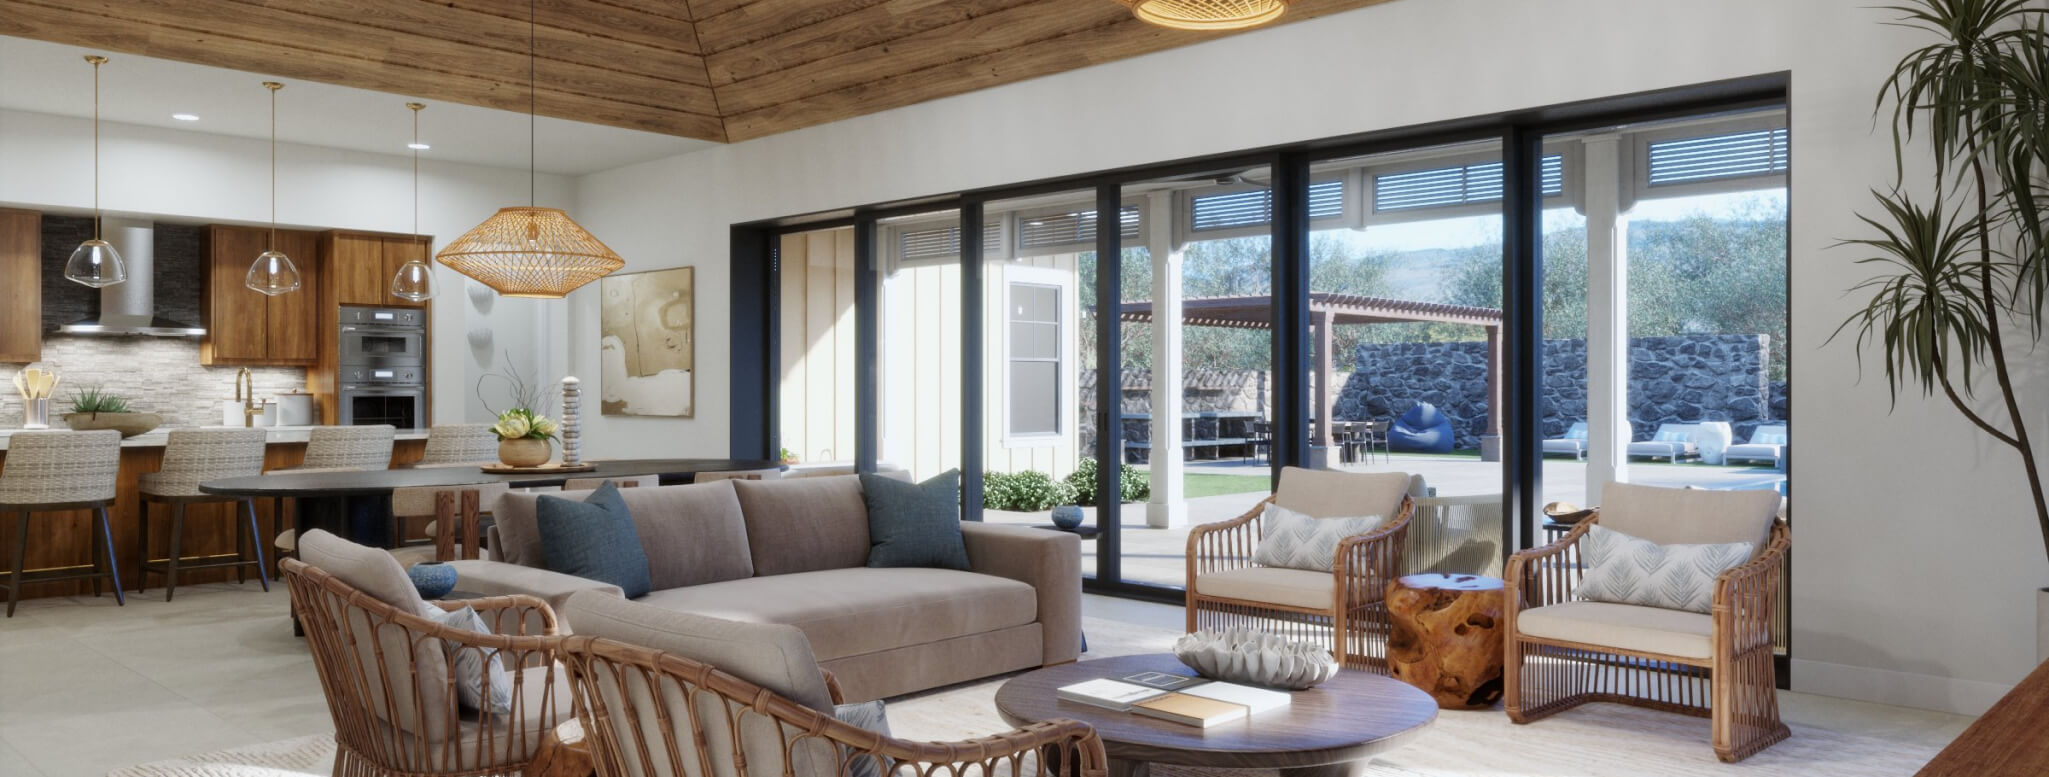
{"points": [[594, 539], [470, 664], [1621, 569], [869, 715], [1299, 541], [914, 524]]}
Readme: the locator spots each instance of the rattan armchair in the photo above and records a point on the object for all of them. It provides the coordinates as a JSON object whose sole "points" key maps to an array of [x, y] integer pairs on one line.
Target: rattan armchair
{"points": [[1349, 615], [646, 712], [1718, 666], [386, 676]]}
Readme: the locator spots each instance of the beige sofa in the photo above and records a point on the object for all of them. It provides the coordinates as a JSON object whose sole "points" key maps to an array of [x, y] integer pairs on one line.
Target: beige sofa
{"points": [[795, 552]]}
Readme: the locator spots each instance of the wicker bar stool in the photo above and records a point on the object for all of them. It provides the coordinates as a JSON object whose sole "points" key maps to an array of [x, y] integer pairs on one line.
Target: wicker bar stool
{"points": [[49, 471], [459, 444], [191, 457], [340, 449]]}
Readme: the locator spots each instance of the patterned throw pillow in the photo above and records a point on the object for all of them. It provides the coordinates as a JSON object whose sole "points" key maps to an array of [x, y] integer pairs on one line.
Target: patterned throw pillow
{"points": [[469, 664], [870, 715], [1621, 569], [1297, 541]]}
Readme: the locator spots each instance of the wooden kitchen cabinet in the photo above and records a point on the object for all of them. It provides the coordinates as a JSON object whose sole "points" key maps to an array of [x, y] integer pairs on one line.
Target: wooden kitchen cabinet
{"points": [[360, 266], [247, 328], [21, 285]]}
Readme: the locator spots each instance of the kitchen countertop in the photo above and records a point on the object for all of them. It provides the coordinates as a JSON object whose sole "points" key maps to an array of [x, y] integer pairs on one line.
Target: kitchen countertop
{"points": [[278, 435]]}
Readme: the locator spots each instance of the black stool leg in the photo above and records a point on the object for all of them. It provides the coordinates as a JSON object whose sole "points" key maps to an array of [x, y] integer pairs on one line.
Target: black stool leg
{"points": [[142, 549], [256, 544], [20, 556], [177, 549], [107, 543]]}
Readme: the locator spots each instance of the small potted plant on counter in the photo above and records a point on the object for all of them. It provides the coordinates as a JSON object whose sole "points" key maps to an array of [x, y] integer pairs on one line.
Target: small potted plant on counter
{"points": [[94, 407], [523, 437]]}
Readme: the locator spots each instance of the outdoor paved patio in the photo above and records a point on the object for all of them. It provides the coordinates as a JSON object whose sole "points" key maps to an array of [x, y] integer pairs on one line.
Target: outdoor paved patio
{"points": [[1156, 556]]}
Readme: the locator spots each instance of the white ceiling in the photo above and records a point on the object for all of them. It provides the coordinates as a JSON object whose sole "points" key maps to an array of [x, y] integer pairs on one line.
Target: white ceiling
{"points": [[53, 78]]}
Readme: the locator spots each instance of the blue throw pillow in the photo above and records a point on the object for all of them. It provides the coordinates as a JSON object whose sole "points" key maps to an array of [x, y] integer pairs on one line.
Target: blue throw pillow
{"points": [[593, 539], [914, 524]]}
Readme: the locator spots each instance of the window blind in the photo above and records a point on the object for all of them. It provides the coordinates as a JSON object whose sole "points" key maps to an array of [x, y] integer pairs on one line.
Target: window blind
{"points": [[1077, 227], [1714, 157], [1442, 187], [944, 242]]}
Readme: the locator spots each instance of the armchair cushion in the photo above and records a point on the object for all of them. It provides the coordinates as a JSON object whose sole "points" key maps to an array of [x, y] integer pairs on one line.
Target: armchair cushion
{"points": [[365, 569], [1680, 516], [1332, 494], [1294, 540], [1622, 626], [1627, 570], [1271, 585], [472, 666]]}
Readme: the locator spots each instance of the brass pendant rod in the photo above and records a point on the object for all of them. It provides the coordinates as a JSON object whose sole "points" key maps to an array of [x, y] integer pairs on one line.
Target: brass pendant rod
{"points": [[416, 172], [96, 61], [530, 104], [273, 86]]}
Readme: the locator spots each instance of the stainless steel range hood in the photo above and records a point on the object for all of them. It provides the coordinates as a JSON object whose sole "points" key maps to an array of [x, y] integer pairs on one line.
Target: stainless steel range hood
{"points": [[129, 307]]}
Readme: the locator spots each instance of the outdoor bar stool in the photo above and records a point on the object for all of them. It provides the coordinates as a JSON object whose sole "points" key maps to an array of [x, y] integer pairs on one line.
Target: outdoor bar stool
{"points": [[340, 449], [459, 444], [51, 471], [192, 457]]}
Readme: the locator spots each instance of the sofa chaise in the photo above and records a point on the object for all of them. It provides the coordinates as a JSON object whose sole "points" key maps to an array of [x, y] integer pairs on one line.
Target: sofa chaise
{"points": [[795, 552]]}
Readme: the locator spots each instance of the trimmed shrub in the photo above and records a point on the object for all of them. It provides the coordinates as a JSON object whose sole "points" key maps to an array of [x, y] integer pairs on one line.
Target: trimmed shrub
{"points": [[1135, 484], [1027, 491]]}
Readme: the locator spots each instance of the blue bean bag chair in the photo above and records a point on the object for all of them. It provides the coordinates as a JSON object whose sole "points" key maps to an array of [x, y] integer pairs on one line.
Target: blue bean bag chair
{"points": [[1423, 429]]}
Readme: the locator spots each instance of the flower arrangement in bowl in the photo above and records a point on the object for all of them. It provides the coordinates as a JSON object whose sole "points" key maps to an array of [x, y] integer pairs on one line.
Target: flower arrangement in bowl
{"points": [[523, 431], [94, 407], [523, 437]]}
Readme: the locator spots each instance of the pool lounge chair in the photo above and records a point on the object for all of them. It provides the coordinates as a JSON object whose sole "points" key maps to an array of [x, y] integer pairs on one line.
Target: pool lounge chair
{"points": [[1673, 441], [1767, 443], [1573, 444]]}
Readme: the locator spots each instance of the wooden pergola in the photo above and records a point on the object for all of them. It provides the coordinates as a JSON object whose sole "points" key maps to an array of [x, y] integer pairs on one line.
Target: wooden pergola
{"points": [[1327, 311]]}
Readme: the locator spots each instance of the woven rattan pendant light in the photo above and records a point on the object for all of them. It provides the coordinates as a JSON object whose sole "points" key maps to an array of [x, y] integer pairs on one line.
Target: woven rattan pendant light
{"points": [[1207, 14], [530, 251]]}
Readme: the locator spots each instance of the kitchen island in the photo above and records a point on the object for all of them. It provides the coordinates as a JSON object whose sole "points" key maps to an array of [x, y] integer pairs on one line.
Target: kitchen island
{"points": [[64, 539]]}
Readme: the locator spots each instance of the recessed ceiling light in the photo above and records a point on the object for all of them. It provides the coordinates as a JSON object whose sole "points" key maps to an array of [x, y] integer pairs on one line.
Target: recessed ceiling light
{"points": [[418, 146], [185, 116]]}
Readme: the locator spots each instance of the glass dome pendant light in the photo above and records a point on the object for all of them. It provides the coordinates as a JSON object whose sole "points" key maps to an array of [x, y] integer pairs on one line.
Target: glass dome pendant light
{"points": [[95, 263], [415, 279], [273, 273]]}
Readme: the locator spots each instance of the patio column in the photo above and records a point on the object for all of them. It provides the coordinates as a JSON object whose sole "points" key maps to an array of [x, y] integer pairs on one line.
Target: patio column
{"points": [[1325, 322], [1168, 507], [1608, 431]]}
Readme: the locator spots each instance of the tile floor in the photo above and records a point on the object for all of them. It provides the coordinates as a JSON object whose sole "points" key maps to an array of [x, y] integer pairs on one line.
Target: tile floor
{"points": [[86, 687]]}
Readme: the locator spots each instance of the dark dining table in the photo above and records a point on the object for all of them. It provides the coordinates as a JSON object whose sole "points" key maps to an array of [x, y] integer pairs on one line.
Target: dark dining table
{"points": [[324, 498]]}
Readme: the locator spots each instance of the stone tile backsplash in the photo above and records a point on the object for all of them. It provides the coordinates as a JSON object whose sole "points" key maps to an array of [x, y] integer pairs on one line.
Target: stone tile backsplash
{"points": [[155, 375]]}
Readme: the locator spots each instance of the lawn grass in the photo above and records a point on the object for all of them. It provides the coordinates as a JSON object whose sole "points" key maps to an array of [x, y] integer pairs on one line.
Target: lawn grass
{"points": [[1202, 484]]}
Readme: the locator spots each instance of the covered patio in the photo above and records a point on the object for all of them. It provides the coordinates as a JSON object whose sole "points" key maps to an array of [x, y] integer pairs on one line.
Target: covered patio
{"points": [[1327, 312]]}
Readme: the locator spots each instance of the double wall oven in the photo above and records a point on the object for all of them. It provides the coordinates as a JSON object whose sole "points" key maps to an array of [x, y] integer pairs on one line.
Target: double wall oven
{"points": [[383, 367]]}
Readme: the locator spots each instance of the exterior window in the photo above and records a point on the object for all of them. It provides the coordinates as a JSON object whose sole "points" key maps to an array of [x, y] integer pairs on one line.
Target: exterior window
{"points": [[1035, 362]]}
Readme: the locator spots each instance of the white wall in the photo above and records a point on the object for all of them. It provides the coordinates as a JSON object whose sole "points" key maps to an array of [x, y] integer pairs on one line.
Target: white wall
{"points": [[1915, 559], [195, 177]]}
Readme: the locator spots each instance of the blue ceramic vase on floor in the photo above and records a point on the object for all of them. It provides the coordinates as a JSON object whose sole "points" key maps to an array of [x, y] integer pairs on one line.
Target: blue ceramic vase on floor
{"points": [[433, 579]]}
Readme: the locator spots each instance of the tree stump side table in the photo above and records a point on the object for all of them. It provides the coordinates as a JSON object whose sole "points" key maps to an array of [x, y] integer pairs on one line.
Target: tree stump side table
{"points": [[1446, 637]]}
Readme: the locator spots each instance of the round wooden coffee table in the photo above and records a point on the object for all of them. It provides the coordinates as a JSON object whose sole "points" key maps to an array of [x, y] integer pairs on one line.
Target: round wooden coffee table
{"points": [[1331, 730]]}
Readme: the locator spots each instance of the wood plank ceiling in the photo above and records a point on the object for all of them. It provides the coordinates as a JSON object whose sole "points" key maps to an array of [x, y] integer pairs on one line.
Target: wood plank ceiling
{"points": [[722, 70]]}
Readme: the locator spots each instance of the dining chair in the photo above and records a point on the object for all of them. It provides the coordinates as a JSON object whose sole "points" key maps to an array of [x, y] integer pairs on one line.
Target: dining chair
{"points": [[741, 474], [54, 471], [192, 457], [457, 517], [339, 449]]}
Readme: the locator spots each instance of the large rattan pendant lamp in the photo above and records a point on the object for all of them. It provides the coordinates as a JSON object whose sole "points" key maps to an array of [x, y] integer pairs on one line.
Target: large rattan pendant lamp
{"points": [[415, 280], [273, 272], [1207, 14], [95, 263], [530, 251]]}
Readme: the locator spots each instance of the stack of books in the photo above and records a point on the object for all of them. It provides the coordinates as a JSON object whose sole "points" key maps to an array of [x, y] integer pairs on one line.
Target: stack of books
{"points": [[1191, 701]]}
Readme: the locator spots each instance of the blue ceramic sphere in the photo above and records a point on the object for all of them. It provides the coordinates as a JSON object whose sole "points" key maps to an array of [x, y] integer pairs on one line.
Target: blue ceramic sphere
{"points": [[433, 579], [1067, 516]]}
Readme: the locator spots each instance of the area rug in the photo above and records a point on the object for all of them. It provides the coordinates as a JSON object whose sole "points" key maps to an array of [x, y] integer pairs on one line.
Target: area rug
{"points": [[1598, 740]]}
